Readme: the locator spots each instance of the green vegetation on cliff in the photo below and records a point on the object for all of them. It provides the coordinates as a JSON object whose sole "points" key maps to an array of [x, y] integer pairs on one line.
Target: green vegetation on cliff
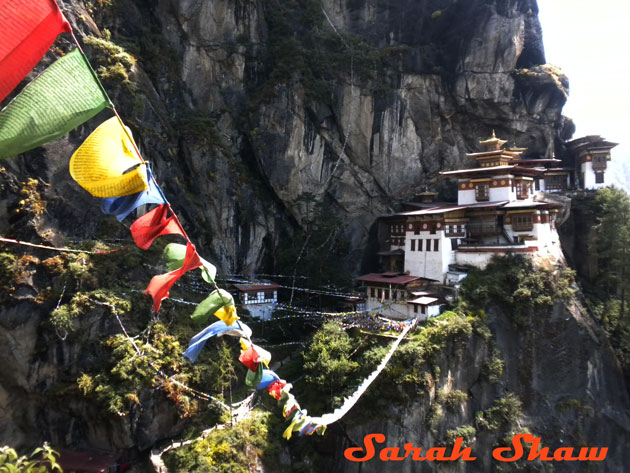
{"points": [[42, 460], [607, 293]]}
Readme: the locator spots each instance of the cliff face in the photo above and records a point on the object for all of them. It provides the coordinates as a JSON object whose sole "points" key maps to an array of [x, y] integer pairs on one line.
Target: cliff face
{"points": [[572, 394], [245, 106], [246, 110]]}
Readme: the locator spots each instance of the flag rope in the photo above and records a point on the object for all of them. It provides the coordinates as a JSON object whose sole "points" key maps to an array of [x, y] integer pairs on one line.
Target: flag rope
{"points": [[64, 250]]}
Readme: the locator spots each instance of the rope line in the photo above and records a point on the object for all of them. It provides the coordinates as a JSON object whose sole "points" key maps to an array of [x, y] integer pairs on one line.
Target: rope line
{"points": [[54, 248]]}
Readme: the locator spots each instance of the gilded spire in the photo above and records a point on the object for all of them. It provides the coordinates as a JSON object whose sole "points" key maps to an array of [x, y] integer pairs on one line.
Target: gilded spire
{"points": [[493, 143]]}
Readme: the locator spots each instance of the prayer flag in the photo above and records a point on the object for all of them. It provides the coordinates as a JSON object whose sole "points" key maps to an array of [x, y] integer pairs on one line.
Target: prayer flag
{"points": [[57, 101], [250, 358], [107, 165], [219, 329], [153, 224], [123, 206], [275, 389], [160, 286], [256, 355], [174, 257], [298, 421], [268, 377], [27, 29], [252, 378], [211, 304], [227, 314]]}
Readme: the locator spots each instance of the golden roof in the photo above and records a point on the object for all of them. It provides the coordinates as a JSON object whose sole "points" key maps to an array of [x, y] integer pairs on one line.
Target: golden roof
{"points": [[493, 143]]}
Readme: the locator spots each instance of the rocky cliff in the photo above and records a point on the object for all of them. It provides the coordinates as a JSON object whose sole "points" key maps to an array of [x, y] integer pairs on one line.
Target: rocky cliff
{"points": [[359, 104], [251, 112]]}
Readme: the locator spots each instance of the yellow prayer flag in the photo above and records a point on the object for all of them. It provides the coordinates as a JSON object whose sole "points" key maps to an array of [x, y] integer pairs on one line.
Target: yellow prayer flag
{"points": [[227, 313], [289, 430], [107, 165], [264, 355]]}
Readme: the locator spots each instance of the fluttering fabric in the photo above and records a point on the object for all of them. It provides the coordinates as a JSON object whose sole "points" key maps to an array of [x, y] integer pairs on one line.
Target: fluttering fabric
{"points": [[123, 206], [153, 224], [107, 165], [299, 419], [268, 377], [57, 101], [250, 358], [211, 304], [160, 286], [227, 313], [218, 329], [275, 389], [27, 29], [256, 355], [174, 257], [253, 378]]}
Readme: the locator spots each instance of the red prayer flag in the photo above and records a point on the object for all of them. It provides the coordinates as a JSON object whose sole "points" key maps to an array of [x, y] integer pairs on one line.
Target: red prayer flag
{"points": [[250, 358], [160, 286], [153, 224], [275, 388], [27, 29]]}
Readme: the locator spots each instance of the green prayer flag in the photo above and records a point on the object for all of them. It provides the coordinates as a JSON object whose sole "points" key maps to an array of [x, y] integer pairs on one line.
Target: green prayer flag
{"points": [[253, 378], [174, 255], [211, 304], [57, 101]]}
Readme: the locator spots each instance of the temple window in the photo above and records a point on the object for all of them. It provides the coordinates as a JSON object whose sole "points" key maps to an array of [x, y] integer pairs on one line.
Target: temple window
{"points": [[482, 191], [599, 161], [413, 245], [522, 189], [522, 223], [555, 182], [419, 245], [436, 245], [599, 177], [372, 292]]}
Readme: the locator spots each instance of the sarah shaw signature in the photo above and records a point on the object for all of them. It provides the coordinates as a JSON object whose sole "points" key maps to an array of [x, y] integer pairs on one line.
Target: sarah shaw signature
{"points": [[503, 454]]}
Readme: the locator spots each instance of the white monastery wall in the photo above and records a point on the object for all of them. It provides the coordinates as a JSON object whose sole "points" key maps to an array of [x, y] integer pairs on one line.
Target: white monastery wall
{"points": [[428, 263]]}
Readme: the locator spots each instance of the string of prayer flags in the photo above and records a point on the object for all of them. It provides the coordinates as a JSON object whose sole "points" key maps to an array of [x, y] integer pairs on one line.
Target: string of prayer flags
{"points": [[123, 206], [27, 30], [153, 224], [57, 101], [160, 286], [107, 164], [218, 329], [174, 257], [349, 402], [211, 304]]}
